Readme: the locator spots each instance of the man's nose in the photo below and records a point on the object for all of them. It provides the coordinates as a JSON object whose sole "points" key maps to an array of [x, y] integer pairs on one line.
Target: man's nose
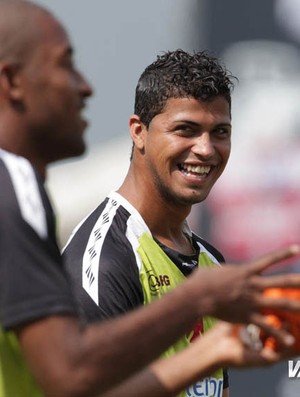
{"points": [[203, 145], [85, 87]]}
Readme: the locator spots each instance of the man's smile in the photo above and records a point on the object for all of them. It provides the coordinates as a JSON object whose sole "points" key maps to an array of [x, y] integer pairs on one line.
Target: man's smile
{"points": [[199, 171]]}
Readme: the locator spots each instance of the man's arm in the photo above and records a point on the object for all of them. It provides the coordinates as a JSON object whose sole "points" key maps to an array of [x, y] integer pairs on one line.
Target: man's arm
{"points": [[70, 361], [219, 347]]}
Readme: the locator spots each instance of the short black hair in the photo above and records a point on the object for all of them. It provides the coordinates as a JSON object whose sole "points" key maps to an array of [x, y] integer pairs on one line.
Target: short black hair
{"points": [[178, 74]]}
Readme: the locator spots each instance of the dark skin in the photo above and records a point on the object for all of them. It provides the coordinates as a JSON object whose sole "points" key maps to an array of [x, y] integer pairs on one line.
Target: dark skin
{"points": [[41, 98], [188, 132], [87, 362], [222, 346], [42, 91]]}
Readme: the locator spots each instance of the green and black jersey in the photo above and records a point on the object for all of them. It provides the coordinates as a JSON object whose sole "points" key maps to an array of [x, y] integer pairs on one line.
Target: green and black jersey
{"points": [[32, 281], [115, 265]]}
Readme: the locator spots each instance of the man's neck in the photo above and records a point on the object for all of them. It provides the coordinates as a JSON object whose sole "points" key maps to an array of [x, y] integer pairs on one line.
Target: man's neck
{"points": [[164, 219]]}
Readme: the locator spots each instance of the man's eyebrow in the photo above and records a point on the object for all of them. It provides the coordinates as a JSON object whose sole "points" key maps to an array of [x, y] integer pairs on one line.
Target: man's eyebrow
{"points": [[224, 125], [196, 124]]}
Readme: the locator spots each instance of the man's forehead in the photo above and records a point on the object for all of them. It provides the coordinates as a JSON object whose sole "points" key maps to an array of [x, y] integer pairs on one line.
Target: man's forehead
{"points": [[189, 104], [52, 37], [51, 29]]}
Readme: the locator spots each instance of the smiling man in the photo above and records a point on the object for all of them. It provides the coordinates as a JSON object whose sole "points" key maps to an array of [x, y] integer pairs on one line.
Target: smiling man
{"points": [[137, 245], [45, 349]]}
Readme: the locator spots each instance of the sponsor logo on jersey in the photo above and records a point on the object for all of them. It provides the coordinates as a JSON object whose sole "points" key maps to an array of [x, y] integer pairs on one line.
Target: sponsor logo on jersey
{"points": [[157, 281], [209, 387], [193, 263]]}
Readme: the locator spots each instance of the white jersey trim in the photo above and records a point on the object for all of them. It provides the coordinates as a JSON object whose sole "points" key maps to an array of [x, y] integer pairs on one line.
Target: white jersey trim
{"points": [[74, 231], [27, 191], [209, 254], [91, 256], [136, 226]]}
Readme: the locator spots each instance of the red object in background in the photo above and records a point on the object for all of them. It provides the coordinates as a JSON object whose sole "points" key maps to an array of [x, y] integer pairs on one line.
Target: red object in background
{"points": [[250, 222]]}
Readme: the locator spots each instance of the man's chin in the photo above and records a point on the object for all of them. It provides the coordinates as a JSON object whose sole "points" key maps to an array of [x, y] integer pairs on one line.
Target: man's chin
{"points": [[77, 152], [188, 200], [192, 200], [70, 152], [193, 197]]}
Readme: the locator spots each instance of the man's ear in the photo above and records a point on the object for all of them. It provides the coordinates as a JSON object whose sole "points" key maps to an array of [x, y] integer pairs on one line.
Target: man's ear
{"points": [[137, 131], [10, 82]]}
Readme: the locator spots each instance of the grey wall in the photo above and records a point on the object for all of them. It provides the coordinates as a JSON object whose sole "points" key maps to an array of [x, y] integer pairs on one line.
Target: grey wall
{"points": [[115, 40]]}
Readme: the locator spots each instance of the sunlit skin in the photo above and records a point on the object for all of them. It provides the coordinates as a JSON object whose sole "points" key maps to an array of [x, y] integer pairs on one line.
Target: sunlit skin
{"points": [[57, 93], [187, 133], [40, 113], [47, 96]]}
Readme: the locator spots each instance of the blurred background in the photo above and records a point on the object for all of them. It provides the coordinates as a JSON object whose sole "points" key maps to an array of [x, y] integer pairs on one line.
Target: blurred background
{"points": [[255, 206]]}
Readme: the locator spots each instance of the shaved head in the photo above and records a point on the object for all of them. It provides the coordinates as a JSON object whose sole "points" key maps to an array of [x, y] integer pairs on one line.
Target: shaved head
{"points": [[42, 94], [19, 29]]}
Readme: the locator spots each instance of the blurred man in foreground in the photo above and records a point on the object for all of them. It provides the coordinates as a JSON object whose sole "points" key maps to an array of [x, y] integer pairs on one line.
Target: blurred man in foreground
{"points": [[45, 348]]}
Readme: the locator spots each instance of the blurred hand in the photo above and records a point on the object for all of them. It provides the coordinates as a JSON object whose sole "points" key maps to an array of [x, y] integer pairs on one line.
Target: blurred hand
{"points": [[234, 292], [232, 351]]}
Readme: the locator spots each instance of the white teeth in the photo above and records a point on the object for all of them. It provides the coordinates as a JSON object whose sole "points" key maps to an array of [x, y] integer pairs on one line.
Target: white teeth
{"points": [[196, 169]]}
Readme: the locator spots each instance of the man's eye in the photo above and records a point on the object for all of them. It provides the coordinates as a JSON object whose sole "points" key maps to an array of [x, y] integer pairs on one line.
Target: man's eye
{"points": [[222, 132], [184, 129], [67, 62]]}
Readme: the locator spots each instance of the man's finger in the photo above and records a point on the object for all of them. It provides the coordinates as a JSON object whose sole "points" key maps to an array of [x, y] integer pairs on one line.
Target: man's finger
{"points": [[291, 280], [283, 337], [260, 264], [280, 304]]}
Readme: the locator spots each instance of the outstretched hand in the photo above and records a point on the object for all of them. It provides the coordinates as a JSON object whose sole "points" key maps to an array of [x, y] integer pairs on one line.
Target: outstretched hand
{"points": [[232, 351], [234, 292]]}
